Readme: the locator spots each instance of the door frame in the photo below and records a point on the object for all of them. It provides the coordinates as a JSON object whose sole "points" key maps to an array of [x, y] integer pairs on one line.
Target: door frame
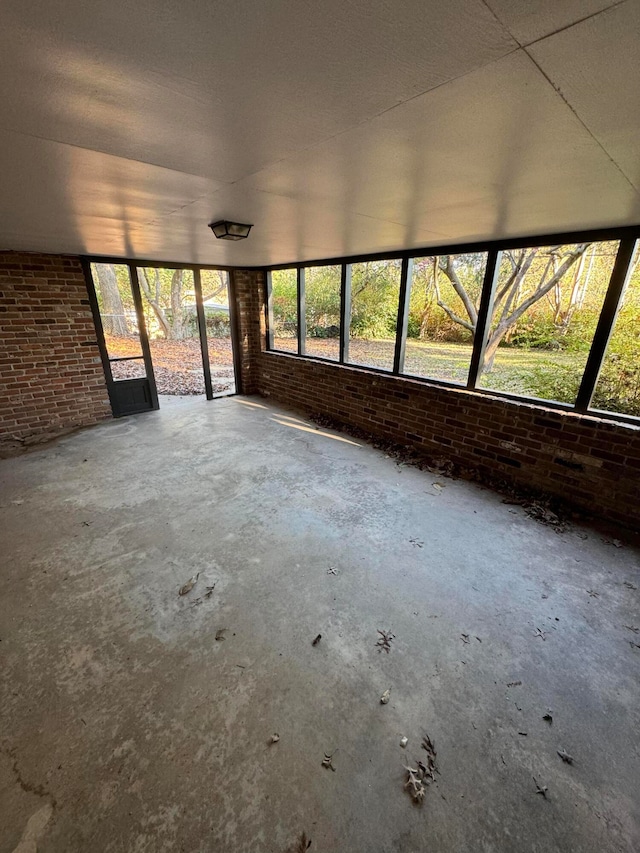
{"points": [[234, 321]]}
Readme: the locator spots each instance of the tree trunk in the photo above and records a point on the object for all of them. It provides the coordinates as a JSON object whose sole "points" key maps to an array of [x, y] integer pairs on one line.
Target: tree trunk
{"points": [[114, 320], [507, 321], [154, 302], [177, 318]]}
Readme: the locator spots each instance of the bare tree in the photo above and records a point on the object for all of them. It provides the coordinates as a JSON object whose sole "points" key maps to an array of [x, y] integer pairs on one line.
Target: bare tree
{"points": [[172, 324], [114, 320], [512, 299]]}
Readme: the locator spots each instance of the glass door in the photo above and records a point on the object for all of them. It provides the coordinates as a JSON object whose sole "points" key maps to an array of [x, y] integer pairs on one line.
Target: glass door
{"points": [[125, 351]]}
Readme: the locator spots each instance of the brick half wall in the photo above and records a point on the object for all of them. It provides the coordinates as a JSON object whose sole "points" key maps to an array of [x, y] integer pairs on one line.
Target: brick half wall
{"points": [[51, 377], [592, 464]]}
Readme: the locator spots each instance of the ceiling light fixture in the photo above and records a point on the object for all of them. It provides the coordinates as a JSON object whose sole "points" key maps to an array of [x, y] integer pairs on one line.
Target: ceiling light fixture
{"points": [[225, 230]]}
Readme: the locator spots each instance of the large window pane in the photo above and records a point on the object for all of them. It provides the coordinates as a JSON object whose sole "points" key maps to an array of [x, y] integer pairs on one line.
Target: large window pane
{"points": [[618, 387], [443, 309], [119, 320], [375, 292], [547, 305], [322, 307], [168, 299], [215, 299], [284, 299]]}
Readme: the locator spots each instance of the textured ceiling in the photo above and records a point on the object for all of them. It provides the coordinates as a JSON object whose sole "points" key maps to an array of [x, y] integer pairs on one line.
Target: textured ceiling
{"points": [[336, 127]]}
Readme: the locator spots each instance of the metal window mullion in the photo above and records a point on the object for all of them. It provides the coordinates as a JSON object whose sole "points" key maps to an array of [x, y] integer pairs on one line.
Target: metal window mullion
{"points": [[142, 332], [403, 315], [617, 283], [302, 315], [485, 312], [269, 311], [345, 312], [202, 329]]}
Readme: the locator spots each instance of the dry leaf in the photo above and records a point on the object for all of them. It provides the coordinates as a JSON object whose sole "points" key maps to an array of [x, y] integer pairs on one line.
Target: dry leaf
{"points": [[541, 789], [384, 643], [404, 741], [385, 697], [565, 756], [220, 633], [303, 844], [327, 762], [189, 585], [548, 716], [274, 738]]}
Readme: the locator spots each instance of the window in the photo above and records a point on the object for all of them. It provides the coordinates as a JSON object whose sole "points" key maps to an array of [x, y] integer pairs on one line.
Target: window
{"points": [[168, 299], [618, 386], [546, 307], [543, 305], [119, 320], [443, 312], [215, 303], [322, 311], [375, 293], [284, 302]]}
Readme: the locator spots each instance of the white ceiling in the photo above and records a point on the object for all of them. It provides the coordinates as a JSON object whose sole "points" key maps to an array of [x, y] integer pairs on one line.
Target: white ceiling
{"points": [[337, 127]]}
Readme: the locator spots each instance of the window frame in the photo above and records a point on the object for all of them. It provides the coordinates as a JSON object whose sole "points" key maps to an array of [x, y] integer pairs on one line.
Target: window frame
{"points": [[629, 240]]}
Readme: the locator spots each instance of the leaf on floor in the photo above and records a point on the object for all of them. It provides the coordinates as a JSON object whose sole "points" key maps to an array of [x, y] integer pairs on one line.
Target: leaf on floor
{"points": [[629, 585], [327, 761], [415, 784], [540, 789], [540, 633], [632, 628], [385, 697], [438, 487], [548, 716], [304, 843], [384, 642], [565, 756], [184, 590], [209, 590], [274, 738], [301, 845], [220, 633]]}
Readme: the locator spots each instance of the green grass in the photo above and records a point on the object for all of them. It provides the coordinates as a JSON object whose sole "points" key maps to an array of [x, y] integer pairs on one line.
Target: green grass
{"points": [[532, 373]]}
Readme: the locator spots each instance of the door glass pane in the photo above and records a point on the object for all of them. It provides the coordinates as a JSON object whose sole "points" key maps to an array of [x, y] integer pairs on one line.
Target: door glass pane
{"points": [[169, 305], [215, 298], [375, 293], [119, 320], [322, 307], [284, 299], [618, 386], [546, 309], [443, 310]]}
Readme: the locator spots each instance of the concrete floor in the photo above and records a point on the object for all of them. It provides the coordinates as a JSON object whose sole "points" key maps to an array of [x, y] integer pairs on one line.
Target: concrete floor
{"points": [[125, 726]]}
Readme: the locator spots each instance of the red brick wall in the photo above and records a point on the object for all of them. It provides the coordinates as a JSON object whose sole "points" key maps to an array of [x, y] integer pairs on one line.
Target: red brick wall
{"points": [[593, 464], [51, 377], [248, 292]]}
